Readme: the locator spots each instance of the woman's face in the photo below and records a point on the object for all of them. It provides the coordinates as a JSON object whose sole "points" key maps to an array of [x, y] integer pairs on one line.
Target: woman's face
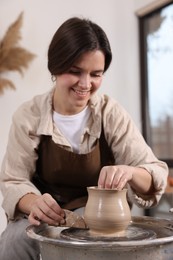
{"points": [[75, 87]]}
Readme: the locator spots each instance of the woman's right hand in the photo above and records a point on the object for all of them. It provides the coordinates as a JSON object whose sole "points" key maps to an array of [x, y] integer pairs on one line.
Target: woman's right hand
{"points": [[46, 209], [42, 208]]}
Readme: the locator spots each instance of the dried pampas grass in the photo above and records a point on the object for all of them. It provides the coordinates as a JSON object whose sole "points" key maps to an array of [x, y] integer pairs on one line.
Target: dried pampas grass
{"points": [[12, 56]]}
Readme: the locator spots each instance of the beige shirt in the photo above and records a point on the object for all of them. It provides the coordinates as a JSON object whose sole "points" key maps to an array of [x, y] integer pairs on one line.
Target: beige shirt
{"points": [[34, 118]]}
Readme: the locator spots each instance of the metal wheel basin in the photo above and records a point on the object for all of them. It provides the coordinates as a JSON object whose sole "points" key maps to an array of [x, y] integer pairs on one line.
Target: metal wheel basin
{"points": [[145, 238]]}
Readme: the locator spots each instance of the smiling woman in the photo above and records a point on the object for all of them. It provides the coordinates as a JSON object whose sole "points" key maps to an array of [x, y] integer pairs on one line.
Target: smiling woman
{"points": [[70, 138]]}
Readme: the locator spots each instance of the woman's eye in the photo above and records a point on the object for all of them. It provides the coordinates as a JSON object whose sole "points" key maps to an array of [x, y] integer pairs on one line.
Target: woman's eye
{"points": [[76, 72], [96, 75]]}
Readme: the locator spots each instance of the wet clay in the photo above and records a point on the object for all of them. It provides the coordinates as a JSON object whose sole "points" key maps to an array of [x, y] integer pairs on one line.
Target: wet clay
{"points": [[107, 212]]}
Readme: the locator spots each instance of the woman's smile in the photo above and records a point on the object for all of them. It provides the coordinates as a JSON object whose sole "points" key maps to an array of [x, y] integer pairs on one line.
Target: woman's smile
{"points": [[81, 93]]}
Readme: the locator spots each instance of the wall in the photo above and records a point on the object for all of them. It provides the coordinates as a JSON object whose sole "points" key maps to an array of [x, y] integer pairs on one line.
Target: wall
{"points": [[41, 19]]}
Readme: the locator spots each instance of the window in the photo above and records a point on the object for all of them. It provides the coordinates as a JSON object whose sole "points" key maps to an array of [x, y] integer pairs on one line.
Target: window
{"points": [[156, 53]]}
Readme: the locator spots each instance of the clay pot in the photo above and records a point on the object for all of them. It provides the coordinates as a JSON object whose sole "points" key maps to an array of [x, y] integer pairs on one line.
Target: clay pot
{"points": [[107, 211]]}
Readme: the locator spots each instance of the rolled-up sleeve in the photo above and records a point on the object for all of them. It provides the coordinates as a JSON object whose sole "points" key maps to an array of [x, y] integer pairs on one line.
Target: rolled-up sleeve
{"points": [[18, 164], [130, 148]]}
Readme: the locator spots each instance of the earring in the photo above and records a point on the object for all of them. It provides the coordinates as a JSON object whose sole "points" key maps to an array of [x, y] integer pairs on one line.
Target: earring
{"points": [[53, 78]]}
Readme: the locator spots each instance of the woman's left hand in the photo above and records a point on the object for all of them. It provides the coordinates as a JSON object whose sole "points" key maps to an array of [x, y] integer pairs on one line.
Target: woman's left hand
{"points": [[115, 176]]}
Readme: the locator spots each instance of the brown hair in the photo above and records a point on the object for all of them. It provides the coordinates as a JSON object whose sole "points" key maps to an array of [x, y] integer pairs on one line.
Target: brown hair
{"points": [[73, 38]]}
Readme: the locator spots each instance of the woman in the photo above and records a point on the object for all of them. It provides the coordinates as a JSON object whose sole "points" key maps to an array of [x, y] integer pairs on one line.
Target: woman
{"points": [[70, 138]]}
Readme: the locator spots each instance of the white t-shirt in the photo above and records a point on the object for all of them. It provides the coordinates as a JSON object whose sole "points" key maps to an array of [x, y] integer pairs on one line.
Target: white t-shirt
{"points": [[72, 126]]}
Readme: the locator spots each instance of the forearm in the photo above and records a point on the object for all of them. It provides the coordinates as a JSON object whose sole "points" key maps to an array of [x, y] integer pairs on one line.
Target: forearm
{"points": [[142, 181]]}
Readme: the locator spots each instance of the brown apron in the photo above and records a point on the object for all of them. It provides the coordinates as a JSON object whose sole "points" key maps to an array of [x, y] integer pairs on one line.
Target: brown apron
{"points": [[65, 175]]}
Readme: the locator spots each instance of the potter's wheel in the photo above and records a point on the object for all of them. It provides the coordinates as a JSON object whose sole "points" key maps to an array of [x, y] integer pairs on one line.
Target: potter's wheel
{"points": [[141, 231], [131, 234], [137, 231], [145, 238]]}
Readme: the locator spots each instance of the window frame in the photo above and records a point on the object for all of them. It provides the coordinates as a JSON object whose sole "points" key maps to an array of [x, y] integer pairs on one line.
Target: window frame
{"points": [[144, 91]]}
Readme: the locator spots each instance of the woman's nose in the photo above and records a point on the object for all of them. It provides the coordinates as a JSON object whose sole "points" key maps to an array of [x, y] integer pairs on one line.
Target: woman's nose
{"points": [[84, 81]]}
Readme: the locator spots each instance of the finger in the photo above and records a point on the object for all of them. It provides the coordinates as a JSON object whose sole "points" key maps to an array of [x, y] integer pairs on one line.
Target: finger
{"points": [[53, 205], [39, 215], [102, 178], [33, 220], [109, 180], [119, 181], [45, 212], [112, 177]]}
